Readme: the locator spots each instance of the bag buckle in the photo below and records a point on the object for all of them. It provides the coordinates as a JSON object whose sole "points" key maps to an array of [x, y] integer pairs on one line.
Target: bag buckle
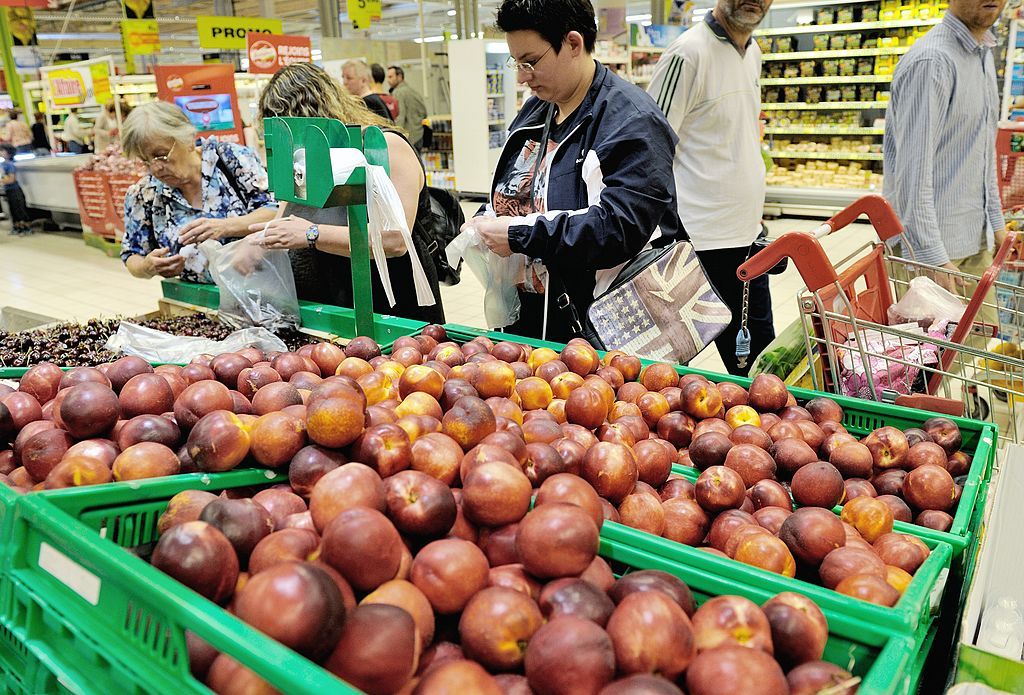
{"points": [[563, 301], [432, 247]]}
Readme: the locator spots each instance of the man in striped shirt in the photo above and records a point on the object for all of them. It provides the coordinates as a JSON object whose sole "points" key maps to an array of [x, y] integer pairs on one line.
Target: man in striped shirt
{"points": [[707, 83], [939, 146]]}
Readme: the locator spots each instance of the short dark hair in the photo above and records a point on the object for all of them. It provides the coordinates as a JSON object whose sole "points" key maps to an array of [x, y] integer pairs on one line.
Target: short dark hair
{"points": [[8, 151], [552, 19], [398, 71], [377, 70]]}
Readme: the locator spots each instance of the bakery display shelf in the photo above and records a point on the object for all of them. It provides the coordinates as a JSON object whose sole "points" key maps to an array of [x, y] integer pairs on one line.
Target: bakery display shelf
{"points": [[838, 53], [822, 130], [796, 154], [847, 26], [835, 79], [825, 106]]}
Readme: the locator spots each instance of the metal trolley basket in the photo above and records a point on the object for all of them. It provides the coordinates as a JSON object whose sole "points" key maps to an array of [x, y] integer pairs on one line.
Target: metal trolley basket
{"points": [[974, 369]]}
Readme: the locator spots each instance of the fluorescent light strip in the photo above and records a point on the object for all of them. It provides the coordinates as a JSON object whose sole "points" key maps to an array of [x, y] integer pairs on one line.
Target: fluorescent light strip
{"points": [[638, 18], [430, 39]]}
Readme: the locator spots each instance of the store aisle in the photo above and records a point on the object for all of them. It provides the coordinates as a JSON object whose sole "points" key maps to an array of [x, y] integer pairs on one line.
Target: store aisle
{"points": [[56, 275]]}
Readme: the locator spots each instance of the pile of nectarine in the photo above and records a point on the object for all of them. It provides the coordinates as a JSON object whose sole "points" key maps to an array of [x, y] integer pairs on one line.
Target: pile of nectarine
{"points": [[495, 422], [387, 584]]}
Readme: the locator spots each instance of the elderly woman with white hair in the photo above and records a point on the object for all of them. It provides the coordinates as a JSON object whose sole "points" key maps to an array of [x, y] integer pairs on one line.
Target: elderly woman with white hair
{"points": [[213, 190]]}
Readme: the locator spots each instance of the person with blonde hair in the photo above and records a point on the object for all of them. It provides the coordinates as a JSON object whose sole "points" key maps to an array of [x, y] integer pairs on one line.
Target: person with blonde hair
{"points": [[358, 80], [105, 130], [318, 239], [213, 190]]}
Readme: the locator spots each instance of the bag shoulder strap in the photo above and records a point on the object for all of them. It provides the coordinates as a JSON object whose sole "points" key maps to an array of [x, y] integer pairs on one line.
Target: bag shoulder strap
{"points": [[229, 176]]}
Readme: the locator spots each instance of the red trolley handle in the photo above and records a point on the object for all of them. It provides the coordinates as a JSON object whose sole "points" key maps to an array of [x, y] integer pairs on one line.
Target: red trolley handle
{"points": [[963, 328], [810, 259], [878, 211]]}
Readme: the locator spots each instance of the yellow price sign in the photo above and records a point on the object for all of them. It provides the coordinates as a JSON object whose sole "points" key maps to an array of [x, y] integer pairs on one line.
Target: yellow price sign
{"points": [[362, 12]]}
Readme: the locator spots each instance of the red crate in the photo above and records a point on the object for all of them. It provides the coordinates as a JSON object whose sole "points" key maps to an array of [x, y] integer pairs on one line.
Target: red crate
{"points": [[94, 202]]}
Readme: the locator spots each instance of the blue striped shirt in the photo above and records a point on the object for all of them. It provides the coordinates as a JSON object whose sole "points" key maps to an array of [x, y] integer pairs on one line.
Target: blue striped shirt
{"points": [[939, 147]]}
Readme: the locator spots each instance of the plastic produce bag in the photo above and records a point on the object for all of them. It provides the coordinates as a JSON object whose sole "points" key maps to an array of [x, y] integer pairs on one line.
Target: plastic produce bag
{"points": [[157, 346], [497, 274], [257, 287], [925, 303], [384, 213]]}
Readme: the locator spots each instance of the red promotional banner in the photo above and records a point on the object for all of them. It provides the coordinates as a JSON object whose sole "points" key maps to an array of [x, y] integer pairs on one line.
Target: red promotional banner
{"points": [[268, 53], [206, 93], [38, 4]]}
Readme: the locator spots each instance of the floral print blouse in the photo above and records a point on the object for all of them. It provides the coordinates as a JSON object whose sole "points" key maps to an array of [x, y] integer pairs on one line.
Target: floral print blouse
{"points": [[154, 212]]}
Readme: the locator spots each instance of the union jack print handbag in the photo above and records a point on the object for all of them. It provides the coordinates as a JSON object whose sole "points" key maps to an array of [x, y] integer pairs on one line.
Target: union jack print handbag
{"points": [[660, 307]]}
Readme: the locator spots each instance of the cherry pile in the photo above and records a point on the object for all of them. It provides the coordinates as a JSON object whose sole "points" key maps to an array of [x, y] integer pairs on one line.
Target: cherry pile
{"points": [[82, 344]]}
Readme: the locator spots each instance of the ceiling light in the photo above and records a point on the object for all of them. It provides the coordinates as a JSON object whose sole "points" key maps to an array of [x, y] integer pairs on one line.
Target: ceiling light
{"points": [[429, 39], [638, 18], [452, 13]]}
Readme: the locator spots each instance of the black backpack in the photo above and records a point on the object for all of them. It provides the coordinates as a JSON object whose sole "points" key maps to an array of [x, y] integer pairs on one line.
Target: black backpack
{"points": [[440, 227]]}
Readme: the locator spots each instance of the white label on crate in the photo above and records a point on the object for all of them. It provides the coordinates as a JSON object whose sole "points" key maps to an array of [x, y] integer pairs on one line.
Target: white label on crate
{"points": [[73, 575]]}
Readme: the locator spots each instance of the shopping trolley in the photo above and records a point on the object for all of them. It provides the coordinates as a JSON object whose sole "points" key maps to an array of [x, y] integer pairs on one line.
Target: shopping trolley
{"points": [[1010, 165], [973, 369]]}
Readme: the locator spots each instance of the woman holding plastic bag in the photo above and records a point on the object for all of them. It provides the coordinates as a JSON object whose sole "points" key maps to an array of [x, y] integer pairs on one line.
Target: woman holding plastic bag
{"points": [[213, 190], [582, 184], [318, 239]]}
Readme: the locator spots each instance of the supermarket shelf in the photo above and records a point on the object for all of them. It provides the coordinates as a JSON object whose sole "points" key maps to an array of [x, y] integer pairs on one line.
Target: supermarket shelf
{"points": [[848, 26], [497, 121], [787, 200], [646, 49], [844, 79], [499, 95], [822, 130], [845, 53], [795, 154], [826, 106]]}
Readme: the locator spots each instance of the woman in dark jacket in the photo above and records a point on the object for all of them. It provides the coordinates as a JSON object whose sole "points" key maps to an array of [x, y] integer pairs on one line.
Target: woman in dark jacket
{"points": [[318, 239], [604, 187]]}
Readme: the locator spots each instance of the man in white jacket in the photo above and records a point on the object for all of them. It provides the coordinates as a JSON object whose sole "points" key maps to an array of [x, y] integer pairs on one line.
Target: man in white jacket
{"points": [[706, 82]]}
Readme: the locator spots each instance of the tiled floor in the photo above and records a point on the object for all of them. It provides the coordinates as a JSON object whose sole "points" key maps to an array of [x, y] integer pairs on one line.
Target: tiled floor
{"points": [[56, 275]]}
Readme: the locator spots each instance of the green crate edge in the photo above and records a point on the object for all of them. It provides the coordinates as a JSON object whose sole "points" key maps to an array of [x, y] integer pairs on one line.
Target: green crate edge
{"points": [[889, 674], [340, 321], [975, 665]]}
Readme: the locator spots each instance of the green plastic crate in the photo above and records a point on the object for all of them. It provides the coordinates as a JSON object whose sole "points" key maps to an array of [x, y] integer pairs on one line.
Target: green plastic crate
{"points": [[339, 321], [146, 612], [103, 620], [913, 613], [889, 666]]}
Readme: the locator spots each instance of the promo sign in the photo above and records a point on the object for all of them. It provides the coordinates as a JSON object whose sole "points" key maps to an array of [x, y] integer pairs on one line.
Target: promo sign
{"points": [[206, 94], [140, 37], [362, 11], [229, 33], [268, 53], [78, 84]]}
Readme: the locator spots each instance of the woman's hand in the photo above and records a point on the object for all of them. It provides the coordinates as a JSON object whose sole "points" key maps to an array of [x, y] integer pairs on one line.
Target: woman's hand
{"points": [[198, 231], [159, 263], [494, 233], [283, 233]]}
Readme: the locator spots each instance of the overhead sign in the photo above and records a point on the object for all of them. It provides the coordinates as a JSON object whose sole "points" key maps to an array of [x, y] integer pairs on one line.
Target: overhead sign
{"points": [[206, 94], [229, 33], [268, 53], [361, 12], [78, 84], [21, 22], [138, 9], [140, 37]]}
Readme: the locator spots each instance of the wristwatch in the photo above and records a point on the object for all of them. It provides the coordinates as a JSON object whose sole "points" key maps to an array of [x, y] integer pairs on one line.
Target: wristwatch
{"points": [[312, 235]]}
